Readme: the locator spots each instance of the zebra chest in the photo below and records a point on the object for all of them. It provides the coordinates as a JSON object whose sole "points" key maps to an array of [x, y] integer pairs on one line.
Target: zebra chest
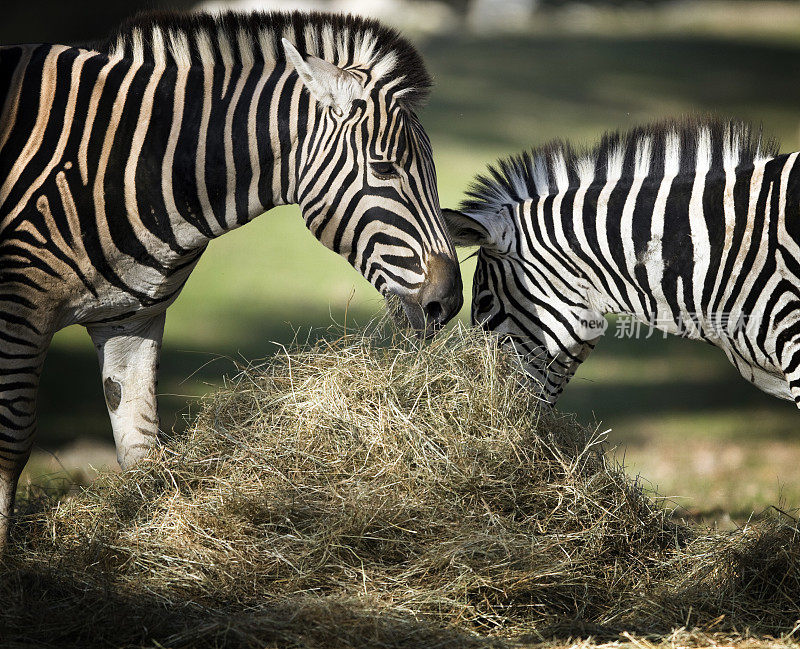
{"points": [[122, 288]]}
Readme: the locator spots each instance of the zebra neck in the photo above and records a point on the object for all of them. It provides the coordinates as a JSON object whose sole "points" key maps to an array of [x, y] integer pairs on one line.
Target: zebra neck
{"points": [[169, 155], [232, 144]]}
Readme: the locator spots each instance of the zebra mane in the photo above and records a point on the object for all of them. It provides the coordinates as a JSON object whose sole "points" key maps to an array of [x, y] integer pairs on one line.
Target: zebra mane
{"points": [[249, 38], [672, 146]]}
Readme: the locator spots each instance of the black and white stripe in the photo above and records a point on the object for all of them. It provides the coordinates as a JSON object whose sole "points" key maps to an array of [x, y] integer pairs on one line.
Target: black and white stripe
{"points": [[690, 227], [120, 160]]}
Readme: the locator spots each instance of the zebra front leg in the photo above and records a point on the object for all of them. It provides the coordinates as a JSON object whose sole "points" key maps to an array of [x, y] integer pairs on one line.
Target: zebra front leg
{"points": [[21, 359], [129, 355]]}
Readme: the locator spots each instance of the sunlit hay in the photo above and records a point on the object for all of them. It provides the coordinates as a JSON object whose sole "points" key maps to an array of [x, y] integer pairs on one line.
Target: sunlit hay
{"points": [[375, 490]]}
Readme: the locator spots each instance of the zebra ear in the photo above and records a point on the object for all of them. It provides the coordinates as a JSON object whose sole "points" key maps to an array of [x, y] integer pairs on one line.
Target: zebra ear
{"points": [[466, 230], [328, 84]]}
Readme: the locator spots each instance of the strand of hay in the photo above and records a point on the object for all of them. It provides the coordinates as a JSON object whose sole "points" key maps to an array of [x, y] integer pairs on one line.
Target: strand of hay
{"points": [[378, 491]]}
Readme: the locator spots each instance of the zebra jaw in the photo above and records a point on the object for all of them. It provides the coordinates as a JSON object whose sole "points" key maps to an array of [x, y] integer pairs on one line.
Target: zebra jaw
{"points": [[438, 299]]}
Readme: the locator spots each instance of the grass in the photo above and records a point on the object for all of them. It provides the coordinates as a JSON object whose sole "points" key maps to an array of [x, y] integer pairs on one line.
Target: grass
{"points": [[660, 399], [374, 491]]}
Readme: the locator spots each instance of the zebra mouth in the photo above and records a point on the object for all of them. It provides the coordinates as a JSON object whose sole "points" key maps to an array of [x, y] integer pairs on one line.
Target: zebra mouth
{"points": [[409, 314]]}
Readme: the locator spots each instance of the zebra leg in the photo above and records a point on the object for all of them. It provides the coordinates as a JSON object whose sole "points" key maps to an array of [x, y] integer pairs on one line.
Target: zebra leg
{"points": [[129, 355], [22, 352]]}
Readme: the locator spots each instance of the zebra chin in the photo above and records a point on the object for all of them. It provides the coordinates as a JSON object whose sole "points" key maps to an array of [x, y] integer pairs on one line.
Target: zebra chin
{"points": [[408, 313], [437, 301]]}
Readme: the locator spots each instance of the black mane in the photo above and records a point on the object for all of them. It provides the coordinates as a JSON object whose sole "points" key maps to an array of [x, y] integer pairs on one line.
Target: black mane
{"points": [[351, 31], [513, 179]]}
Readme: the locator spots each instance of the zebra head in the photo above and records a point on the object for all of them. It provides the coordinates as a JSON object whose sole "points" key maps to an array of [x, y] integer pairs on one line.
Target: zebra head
{"points": [[515, 296], [366, 184]]}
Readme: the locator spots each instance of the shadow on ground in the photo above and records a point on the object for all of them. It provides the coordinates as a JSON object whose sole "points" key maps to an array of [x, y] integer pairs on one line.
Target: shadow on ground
{"points": [[94, 615], [661, 379]]}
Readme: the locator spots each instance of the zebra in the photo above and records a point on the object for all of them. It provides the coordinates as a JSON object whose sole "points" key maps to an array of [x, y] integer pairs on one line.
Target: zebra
{"points": [[120, 160], [690, 226]]}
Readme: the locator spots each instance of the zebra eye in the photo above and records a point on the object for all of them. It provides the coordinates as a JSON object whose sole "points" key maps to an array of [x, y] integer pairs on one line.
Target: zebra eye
{"points": [[384, 170], [484, 302]]}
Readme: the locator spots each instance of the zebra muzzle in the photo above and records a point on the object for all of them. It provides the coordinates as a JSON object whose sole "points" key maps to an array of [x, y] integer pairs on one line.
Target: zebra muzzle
{"points": [[439, 298]]}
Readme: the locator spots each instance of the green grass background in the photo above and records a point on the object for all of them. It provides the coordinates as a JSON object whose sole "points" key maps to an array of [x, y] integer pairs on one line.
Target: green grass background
{"points": [[681, 415]]}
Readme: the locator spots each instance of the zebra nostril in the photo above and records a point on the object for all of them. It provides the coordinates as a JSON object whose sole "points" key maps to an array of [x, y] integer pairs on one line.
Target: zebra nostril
{"points": [[433, 311]]}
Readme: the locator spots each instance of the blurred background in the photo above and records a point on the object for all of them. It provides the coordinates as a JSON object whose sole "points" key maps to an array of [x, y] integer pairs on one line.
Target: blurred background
{"points": [[509, 75]]}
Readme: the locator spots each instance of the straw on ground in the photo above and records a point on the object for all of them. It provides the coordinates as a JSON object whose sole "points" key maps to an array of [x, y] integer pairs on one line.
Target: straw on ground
{"points": [[375, 491]]}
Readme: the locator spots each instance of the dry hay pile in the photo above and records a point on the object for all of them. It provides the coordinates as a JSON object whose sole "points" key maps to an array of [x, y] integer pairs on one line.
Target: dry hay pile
{"points": [[380, 492]]}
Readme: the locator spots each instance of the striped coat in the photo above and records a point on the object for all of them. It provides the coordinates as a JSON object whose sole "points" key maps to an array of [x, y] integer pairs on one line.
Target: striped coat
{"points": [[692, 228]]}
